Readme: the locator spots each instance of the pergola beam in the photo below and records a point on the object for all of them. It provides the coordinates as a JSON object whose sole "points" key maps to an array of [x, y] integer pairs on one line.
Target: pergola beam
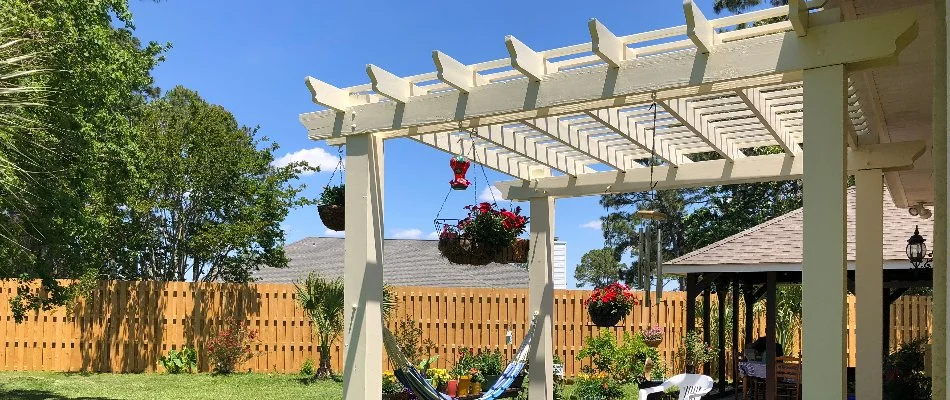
{"points": [[763, 111], [635, 132], [750, 62], [686, 115], [775, 167], [589, 146], [532, 149]]}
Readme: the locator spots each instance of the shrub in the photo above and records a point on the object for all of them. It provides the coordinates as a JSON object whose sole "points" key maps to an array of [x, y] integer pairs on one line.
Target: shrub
{"points": [[694, 352], [333, 196], [231, 346], [490, 362], [179, 361], [622, 363], [307, 368], [597, 387], [904, 376], [408, 336]]}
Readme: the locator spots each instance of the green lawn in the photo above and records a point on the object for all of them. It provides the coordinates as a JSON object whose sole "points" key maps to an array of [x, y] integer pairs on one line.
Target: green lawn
{"points": [[56, 386]]}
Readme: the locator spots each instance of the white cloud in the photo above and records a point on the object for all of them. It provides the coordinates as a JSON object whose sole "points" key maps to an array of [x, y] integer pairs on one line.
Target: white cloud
{"points": [[433, 235], [330, 233], [407, 234], [486, 194], [316, 157], [595, 224]]}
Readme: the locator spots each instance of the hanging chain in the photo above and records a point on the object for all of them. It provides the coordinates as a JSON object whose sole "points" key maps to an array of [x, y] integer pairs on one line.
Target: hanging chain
{"points": [[339, 167]]}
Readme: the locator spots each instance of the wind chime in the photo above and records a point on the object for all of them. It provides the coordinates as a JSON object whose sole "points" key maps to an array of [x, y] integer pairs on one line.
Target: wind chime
{"points": [[649, 250]]}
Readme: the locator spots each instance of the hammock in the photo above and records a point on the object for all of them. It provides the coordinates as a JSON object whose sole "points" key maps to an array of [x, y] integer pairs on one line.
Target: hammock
{"points": [[410, 377]]}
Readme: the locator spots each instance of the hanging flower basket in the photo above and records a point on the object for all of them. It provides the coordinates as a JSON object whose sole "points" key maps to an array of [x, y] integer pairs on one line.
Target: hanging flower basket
{"points": [[459, 250], [517, 253], [331, 209], [333, 217], [607, 306], [487, 234], [653, 337]]}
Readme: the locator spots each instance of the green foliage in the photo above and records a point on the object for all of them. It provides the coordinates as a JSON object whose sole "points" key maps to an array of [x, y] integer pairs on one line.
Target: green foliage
{"points": [[426, 363], [904, 372], [598, 268], [408, 334], [597, 387], [490, 362], [621, 362], [307, 368], [788, 313], [464, 363], [333, 195], [204, 168], [694, 352], [180, 361], [322, 299], [390, 384], [491, 227], [69, 165]]}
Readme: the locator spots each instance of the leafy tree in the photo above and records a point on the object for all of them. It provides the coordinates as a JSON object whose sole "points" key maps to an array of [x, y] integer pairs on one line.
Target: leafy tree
{"points": [[598, 268], [212, 203], [72, 161], [740, 6]]}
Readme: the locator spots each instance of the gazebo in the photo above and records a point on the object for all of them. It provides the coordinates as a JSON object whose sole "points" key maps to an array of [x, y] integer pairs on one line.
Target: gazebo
{"points": [[577, 121]]}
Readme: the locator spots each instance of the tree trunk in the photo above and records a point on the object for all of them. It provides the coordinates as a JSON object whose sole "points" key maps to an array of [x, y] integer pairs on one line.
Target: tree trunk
{"points": [[324, 371]]}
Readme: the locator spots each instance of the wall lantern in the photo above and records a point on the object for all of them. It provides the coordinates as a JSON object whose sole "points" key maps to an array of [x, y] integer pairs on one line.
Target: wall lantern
{"points": [[917, 251]]}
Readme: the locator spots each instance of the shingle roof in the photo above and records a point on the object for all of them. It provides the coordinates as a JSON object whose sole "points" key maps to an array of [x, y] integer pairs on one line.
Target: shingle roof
{"points": [[406, 263], [779, 241]]}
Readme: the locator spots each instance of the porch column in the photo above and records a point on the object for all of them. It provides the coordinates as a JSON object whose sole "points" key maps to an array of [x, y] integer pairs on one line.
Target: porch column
{"points": [[940, 240], [541, 297], [823, 270], [869, 283], [363, 268]]}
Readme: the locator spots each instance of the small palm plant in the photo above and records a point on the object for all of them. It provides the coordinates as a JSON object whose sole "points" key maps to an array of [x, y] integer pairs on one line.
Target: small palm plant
{"points": [[322, 298]]}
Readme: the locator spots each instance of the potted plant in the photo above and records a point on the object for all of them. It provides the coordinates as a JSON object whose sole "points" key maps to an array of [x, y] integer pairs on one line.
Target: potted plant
{"points": [[331, 207], [477, 378], [653, 337], [463, 365], [491, 365], [607, 306], [480, 237], [694, 352]]}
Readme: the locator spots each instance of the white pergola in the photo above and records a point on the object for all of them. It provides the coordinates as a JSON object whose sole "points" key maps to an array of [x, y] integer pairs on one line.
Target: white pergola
{"points": [[576, 121]]}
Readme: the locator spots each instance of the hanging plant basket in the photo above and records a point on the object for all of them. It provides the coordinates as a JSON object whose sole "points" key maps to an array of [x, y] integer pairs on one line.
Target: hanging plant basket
{"points": [[604, 317], [333, 216], [517, 253], [460, 250], [653, 343]]}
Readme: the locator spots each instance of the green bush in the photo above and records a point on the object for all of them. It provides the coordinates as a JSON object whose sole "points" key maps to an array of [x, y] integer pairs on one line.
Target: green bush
{"points": [[307, 368], [333, 196], [621, 362], [180, 361], [597, 387], [490, 362], [904, 373]]}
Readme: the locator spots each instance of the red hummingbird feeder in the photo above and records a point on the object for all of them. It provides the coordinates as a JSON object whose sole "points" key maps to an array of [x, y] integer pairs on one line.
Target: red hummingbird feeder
{"points": [[459, 167]]}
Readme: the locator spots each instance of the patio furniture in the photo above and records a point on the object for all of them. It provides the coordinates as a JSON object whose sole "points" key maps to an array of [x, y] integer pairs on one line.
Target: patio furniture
{"points": [[410, 377], [788, 374], [691, 386]]}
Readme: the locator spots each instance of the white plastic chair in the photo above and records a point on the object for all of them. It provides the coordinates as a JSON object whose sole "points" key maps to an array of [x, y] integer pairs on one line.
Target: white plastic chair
{"points": [[692, 386]]}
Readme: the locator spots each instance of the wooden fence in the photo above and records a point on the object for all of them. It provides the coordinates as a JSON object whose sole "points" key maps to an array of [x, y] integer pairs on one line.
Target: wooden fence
{"points": [[127, 326]]}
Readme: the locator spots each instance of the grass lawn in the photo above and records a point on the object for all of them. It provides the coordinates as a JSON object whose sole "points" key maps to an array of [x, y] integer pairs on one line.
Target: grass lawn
{"points": [[55, 386]]}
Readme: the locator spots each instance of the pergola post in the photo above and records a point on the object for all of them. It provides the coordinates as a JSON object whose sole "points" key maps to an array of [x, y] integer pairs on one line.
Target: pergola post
{"points": [[541, 297], [363, 268], [869, 282], [941, 285], [823, 268]]}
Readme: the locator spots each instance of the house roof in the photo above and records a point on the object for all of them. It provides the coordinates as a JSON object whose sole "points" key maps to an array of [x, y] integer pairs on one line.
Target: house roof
{"points": [[407, 263], [776, 245]]}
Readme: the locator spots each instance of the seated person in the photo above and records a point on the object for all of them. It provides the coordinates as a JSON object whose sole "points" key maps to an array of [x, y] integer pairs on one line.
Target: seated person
{"points": [[760, 346]]}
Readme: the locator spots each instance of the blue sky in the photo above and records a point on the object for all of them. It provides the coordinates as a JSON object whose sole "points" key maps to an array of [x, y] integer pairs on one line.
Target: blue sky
{"points": [[252, 57]]}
